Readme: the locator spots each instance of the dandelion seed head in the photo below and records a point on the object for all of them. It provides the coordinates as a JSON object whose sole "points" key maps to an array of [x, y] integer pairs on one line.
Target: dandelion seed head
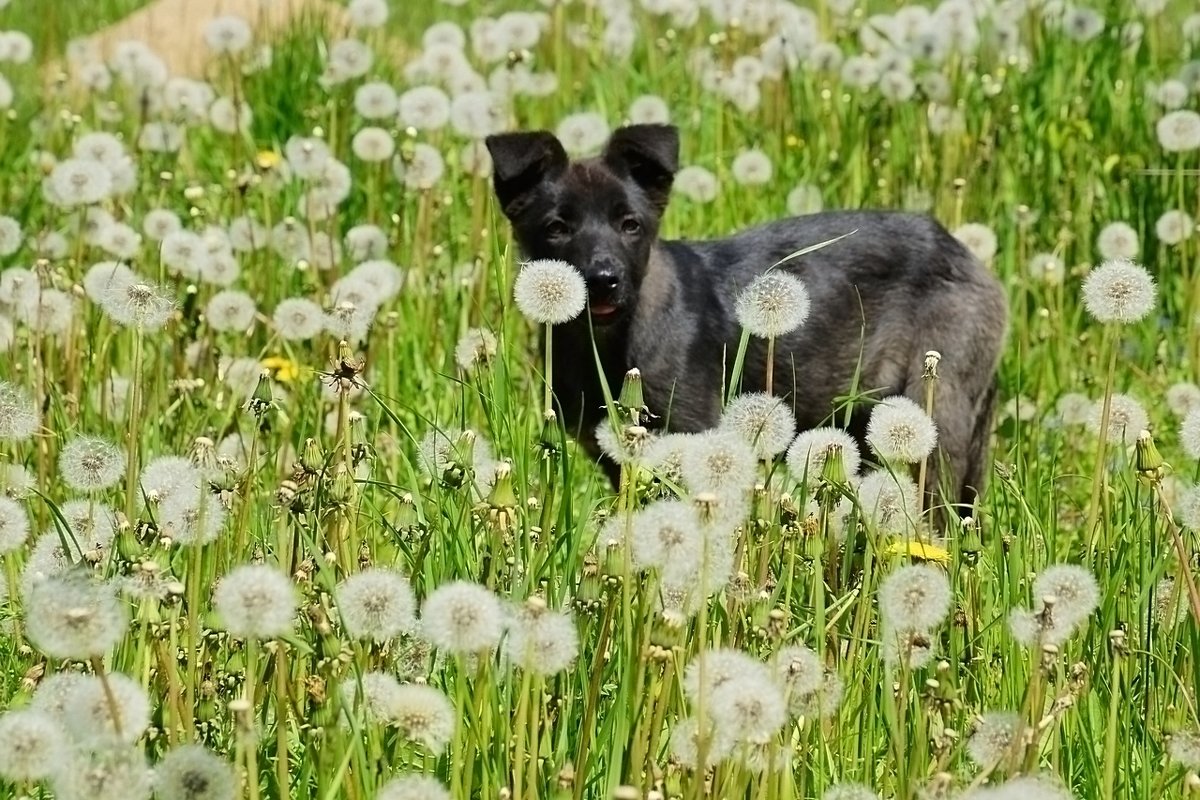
{"points": [[979, 239], [79, 182], [823, 703], [665, 533], [806, 455], [719, 463], [1074, 409], [1119, 291], [582, 133], [373, 145], [104, 771], [697, 184], [993, 737], [900, 430], [476, 347], [1074, 588], [69, 615], [762, 420], [413, 787], [542, 641], [1047, 268], [191, 517], [91, 464], [423, 714], [14, 525], [426, 108], [297, 318], [366, 242], [1126, 418], [10, 235], [1174, 227], [230, 310], [462, 618], [421, 168], [132, 301], [193, 772], [89, 716], [19, 416], [721, 666], [915, 597], [1179, 131], [550, 292], [752, 706], [799, 670], [685, 743], [849, 791], [1183, 747], [377, 604], [32, 745], [255, 601], [888, 501], [774, 304], [1117, 241]]}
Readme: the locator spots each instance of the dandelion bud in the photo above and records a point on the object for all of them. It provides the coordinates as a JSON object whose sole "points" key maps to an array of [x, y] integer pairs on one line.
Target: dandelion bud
{"points": [[1148, 461], [342, 490], [833, 471], [931, 364], [631, 394], [549, 441], [260, 402], [502, 496], [311, 458]]}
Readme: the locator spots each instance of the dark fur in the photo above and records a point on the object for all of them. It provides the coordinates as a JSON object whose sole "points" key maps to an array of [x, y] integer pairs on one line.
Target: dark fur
{"points": [[899, 287]]}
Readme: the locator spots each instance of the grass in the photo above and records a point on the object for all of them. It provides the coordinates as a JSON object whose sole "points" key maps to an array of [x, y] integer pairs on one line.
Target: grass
{"points": [[320, 478]]}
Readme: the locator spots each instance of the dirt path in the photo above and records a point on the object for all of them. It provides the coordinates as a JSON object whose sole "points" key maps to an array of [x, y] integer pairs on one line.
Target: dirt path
{"points": [[175, 28]]}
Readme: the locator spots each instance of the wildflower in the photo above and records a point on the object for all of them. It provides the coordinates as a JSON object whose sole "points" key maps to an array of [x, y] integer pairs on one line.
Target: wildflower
{"points": [[72, 616], [90, 464], [806, 455], [372, 693], [1174, 226], [718, 462], [192, 518], [350, 322], [462, 618], [1183, 747], [413, 786], [119, 240], [426, 108], [20, 289], [900, 430], [649, 109], [762, 421], [697, 184], [1126, 418], [821, 704], [774, 304], [550, 292], [8, 334], [381, 275], [373, 145], [686, 739], [888, 501], [915, 597], [859, 72], [367, 13], [752, 707], [136, 303], [375, 100], [377, 604], [193, 772], [799, 669], [420, 169], [14, 524], [1118, 241], [1082, 24], [228, 116], [1074, 589], [1179, 131], [88, 714], [364, 242], [477, 114], [979, 239], [79, 182], [666, 533], [1119, 291], [256, 601], [623, 444], [423, 714], [53, 692], [993, 737], [721, 666], [350, 58], [849, 791], [19, 416], [751, 168], [298, 318], [1074, 408], [103, 771], [804, 199], [476, 346], [1047, 268], [583, 133], [53, 313], [541, 640], [10, 235], [32, 746], [227, 35], [230, 310]]}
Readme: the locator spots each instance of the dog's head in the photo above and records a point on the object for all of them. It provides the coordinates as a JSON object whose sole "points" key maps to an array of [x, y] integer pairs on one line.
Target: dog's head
{"points": [[600, 214]]}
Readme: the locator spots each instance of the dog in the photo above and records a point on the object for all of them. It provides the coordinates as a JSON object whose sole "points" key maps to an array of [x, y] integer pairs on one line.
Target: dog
{"points": [[900, 286]]}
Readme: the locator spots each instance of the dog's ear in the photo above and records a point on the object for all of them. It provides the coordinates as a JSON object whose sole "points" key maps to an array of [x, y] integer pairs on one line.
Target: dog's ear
{"points": [[649, 154], [522, 160]]}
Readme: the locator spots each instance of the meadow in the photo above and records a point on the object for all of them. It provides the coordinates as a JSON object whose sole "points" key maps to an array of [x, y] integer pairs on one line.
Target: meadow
{"points": [[282, 513]]}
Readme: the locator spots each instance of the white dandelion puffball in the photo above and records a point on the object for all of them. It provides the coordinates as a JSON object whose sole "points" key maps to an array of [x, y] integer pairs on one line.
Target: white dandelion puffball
{"points": [[1126, 418], [900, 430], [1179, 131], [697, 184], [550, 292], [1119, 291], [255, 601], [979, 239], [1117, 240], [773, 304], [763, 421]]}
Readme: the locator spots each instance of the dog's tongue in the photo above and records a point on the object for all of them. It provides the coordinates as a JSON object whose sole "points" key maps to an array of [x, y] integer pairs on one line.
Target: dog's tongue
{"points": [[602, 309]]}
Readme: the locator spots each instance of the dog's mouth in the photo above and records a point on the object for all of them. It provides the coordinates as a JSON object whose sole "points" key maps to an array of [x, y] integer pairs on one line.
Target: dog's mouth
{"points": [[603, 311]]}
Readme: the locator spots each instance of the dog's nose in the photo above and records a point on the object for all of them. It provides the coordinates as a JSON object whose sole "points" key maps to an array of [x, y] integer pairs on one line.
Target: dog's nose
{"points": [[604, 281]]}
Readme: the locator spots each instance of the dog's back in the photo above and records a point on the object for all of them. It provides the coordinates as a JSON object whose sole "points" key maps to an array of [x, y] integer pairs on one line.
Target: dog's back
{"points": [[899, 286]]}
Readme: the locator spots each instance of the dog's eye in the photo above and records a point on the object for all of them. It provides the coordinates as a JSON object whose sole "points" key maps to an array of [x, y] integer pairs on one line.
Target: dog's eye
{"points": [[556, 228], [630, 226]]}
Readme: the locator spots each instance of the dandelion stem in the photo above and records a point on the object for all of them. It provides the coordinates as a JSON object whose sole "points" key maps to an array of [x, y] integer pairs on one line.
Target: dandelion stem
{"points": [[770, 381], [1100, 476], [111, 699], [281, 722], [134, 430]]}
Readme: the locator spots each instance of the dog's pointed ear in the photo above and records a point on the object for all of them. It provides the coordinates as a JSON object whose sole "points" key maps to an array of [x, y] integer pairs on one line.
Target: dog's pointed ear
{"points": [[520, 161], [649, 154]]}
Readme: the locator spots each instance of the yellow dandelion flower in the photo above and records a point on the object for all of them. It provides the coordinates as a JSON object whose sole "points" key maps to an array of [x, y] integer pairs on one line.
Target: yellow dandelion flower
{"points": [[922, 551], [283, 369], [267, 159]]}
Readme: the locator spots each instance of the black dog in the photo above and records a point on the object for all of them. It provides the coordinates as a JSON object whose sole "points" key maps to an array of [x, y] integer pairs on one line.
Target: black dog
{"points": [[880, 299]]}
